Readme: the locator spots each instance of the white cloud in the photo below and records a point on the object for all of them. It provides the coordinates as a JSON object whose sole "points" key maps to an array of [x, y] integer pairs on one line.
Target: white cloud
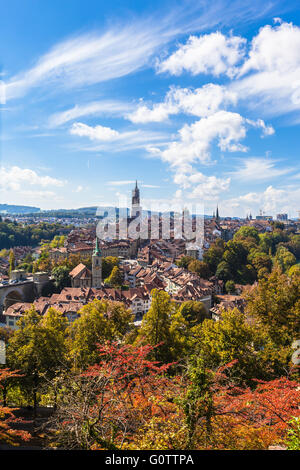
{"points": [[91, 58], [271, 201], [200, 102], [95, 108], [159, 112], [150, 186], [2, 92], [120, 183], [204, 187], [126, 140], [227, 130], [130, 182], [274, 49], [16, 179], [270, 77], [213, 54], [96, 57], [258, 169], [94, 133], [194, 142], [259, 123]]}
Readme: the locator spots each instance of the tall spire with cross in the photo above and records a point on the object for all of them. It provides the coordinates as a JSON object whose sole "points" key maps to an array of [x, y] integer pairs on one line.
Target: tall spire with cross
{"points": [[135, 201]]}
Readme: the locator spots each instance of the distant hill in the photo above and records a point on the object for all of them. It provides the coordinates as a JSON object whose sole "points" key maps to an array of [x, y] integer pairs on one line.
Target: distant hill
{"points": [[11, 209]]}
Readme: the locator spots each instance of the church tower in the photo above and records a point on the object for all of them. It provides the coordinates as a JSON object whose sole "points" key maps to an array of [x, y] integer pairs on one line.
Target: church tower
{"points": [[135, 202], [217, 214], [97, 267]]}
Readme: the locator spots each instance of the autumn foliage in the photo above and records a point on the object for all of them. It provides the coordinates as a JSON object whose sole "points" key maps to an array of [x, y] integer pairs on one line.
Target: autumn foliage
{"points": [[127, 401], [9, 435]]}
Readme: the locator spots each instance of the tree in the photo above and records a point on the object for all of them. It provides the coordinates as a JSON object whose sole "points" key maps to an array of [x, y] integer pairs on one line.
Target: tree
{"points": [[224, 271], [98, 321], [260, 260], [108, 264], [198, 403], [294, 271], [61, 277], [107, 405], [230, 287], [193, 312], [284, 258], [7, 434], [232, 339], [275, 304], [213, 256], [293, 440], [163, 324], [184, 261], [115, 279], [248, 236], [235, 255], [37, 349], [266, 243], [220, 415], [199, 267], [12, 261]]}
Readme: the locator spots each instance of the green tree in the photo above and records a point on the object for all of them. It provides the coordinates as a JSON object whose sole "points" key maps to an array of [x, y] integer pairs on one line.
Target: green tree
{"points": [[98, 321], [284, 258], [108, 264], [213, 256], [37, 349], [294, 271], [293, 440], [224, 271], [275, 305], [232, 338], [61, 277], [199, 267], [230, 287], [12, 261], [260, 260], [198, 402], [115, 279], [164, 324], [193, 312], [184, 261], [245, 233], [266, 243]]}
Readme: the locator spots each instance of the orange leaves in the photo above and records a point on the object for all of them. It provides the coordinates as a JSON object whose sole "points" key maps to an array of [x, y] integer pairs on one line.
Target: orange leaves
{"points": [[7, 418]]}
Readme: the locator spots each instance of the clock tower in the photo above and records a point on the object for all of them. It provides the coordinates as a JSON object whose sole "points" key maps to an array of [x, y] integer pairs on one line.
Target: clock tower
{"points": [[97, 267]]}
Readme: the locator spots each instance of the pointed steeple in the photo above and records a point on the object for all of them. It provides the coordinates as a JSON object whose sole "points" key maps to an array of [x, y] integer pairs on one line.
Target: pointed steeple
{"points": [[217, 214], [97, 251]]}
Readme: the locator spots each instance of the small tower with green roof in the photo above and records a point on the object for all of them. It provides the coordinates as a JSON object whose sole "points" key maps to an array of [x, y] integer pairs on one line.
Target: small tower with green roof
{"points": [[97, 266]]}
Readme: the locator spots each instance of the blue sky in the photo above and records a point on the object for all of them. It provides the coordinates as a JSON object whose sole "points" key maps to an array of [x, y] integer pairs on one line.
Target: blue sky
{"points": [[198, 101]]}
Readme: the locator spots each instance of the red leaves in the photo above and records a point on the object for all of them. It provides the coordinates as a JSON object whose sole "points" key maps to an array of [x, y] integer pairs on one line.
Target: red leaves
{"points": [[271, 404], [7, 418], [126, 363]]}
